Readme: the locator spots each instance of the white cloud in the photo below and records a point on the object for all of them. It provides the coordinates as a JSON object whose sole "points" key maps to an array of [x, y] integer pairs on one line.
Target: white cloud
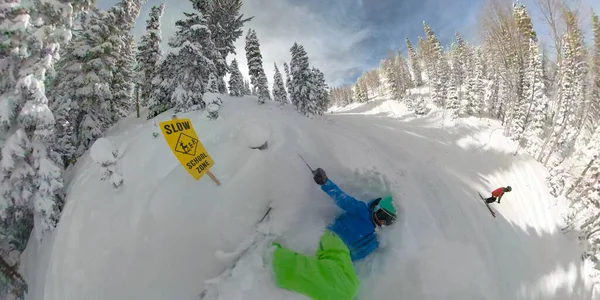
{"points": [[278, 24], [332, 45]]}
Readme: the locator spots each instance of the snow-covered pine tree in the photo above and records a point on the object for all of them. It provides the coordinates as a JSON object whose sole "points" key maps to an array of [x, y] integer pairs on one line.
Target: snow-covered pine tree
{"points": [[31, 180], [572, 74], [391, 77], [404, 77], [437, 67], [453, 105], [491, 93], [460, 63], [360, 93], [225, 23], [163, 86], [457, 104], [589, 196], [123, 80], [288, 81], [247, 90], [149, 55], [421, 106], [99, 53], [415, 67], [81, 105], [535, 92], [196, 58], [519, 110], [279, 93], [319, 92], [236, 80], [593, 116], [430, 55], [213, 86], [258, 79], [125, 13], [475, 80], [300, 74]]}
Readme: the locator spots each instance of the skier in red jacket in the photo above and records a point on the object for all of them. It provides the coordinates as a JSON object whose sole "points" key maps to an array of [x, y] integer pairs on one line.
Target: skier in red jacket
{"points": [[497, 194]]}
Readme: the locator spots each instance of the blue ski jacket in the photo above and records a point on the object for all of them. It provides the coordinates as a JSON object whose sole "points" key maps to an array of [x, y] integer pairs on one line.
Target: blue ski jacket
{"points": [[355, 226]]}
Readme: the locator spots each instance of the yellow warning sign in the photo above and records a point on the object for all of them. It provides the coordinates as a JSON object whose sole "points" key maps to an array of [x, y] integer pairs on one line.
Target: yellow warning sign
{"points": [[186, 146]]}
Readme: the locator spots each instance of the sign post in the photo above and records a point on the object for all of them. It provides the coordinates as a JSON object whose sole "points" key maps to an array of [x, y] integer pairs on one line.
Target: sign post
{"points": [[186, 146]]}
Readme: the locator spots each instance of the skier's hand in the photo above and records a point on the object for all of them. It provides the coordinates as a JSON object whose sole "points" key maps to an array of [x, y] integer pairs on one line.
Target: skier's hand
{"points": [[319, 176]]}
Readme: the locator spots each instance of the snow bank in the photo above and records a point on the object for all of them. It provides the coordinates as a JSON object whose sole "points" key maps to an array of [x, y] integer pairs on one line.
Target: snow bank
{"points": [[255, 134], [156, 237], [104, 154]]}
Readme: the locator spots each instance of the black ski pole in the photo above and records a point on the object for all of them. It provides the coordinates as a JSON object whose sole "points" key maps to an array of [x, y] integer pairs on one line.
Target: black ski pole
{"points": [[311, 169]]}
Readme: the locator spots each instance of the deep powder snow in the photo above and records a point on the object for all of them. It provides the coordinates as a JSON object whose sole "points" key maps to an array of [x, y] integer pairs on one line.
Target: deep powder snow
{"points": [[155, 237]]}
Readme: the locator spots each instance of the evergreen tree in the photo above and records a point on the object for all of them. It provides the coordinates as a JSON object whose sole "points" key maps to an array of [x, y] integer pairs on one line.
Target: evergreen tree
{"points": [[279, 94], [123, 81], [195, 60], [213, 85], [593, 119], [247, 90], [300, 74], [163, 86], [88, 111], [415, 67], [453, 104], [437, 67], [572, 72], [288, 81], [392, 77], [31, 180], [258, 79], [360, 92], [319, 94], [475, 81], [148, 57], [121, 103], [456, 80], [226, 23], [519, 110], [421, 107], [536, 94], [236, 81], [404, 79], [461, 63]]}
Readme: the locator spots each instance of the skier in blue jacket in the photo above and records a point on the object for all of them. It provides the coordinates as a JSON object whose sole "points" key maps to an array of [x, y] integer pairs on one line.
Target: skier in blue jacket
{"points": [[356, 226], [330, 273]]}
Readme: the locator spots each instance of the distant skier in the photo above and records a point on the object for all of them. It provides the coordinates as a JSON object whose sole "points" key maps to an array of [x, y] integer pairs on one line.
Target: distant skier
{"points": [[497, 194], [330, 273]]}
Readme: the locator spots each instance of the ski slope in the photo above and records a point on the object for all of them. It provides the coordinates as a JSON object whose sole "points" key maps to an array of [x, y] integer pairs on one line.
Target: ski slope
{"points": [[155, 237]]}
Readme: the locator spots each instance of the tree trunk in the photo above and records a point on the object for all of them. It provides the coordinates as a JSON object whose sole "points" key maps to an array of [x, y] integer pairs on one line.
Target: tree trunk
{"points": [[137, 101], [581, 176]]}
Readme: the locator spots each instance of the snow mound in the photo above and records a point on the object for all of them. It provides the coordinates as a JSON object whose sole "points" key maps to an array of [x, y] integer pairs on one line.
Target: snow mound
{"points": [[255, 134], [103, 152], [164, 234]]}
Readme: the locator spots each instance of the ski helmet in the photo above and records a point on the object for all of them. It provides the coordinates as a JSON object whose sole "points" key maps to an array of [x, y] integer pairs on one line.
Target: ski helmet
{"points": [[384, 210], [508, 188]]}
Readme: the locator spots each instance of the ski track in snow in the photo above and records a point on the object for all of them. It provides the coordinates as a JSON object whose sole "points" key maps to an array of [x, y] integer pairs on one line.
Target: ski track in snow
{"points": [[156, 236]]}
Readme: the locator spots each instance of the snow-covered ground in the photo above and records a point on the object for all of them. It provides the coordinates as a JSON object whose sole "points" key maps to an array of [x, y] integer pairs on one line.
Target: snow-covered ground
{"points": [[155, 237]]}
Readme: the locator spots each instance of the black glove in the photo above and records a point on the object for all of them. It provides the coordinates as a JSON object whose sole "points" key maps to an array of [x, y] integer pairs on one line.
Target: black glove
{"points": [[319, 176]]}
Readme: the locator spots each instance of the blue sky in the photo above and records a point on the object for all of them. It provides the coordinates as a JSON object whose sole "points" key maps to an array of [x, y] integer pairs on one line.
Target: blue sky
{"points": [[343, 37]]}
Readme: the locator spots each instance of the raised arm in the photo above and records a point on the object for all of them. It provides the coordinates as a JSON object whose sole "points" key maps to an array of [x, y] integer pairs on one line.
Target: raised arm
{"points": [[343, 200]]}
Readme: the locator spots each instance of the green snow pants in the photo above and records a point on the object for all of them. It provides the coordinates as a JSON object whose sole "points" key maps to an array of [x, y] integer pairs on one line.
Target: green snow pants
{"points": [[329, 275]]}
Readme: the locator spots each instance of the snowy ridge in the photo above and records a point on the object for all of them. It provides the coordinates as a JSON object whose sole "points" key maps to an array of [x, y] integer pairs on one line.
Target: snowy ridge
{"points": [[157, 235]]}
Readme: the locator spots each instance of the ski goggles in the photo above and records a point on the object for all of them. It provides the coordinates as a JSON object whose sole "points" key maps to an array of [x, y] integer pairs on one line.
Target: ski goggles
{"points": [[383, 215]]}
